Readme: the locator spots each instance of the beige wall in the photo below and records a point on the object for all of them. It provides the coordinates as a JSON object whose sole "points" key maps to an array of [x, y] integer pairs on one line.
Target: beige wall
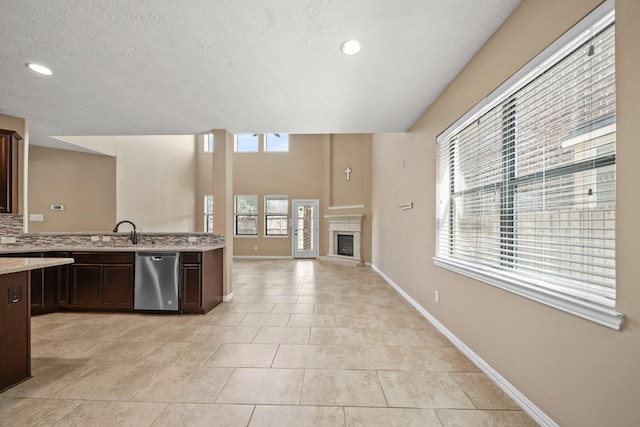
{"points": [[156, 182], [222, 162], [297, 174], [83, 183], [353, 196], [577, 372], [312, 169]]}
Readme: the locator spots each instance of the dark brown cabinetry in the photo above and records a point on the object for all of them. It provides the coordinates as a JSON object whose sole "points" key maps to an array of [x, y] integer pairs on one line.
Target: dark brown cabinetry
{"points": [[104, 281], [101, 281], [9, 171], [190, 282], [201, 281], [15, 329], [60, 276], [46, 284]]}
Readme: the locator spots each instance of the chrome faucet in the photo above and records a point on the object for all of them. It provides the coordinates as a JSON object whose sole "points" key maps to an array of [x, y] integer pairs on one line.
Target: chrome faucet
{"points": [[133, 236]]}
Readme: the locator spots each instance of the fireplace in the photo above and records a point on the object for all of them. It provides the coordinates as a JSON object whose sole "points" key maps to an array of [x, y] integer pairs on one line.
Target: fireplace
{"points": [[345, 238], [345, 244]]}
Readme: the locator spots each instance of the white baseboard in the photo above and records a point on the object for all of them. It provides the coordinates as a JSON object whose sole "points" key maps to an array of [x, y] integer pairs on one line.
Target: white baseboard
{"points": [[261, 257], [528, 406], [227, 298]]}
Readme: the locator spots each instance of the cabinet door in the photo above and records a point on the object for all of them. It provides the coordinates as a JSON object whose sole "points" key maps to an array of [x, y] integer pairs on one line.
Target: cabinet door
{"points": [[62, 286], [117, 285], [37, 292], [190, 298], [85, 285], [56, 284], [8, 170], [14, 329]]}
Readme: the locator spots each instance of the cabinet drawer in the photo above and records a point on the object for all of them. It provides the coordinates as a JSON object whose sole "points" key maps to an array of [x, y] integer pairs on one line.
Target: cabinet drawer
{"points": [[103, 257], [190, 257]]}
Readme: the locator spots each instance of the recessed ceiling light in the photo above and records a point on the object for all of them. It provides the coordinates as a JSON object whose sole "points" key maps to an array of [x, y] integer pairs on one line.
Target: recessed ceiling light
{"points": [[351, 47], [40, 69]]}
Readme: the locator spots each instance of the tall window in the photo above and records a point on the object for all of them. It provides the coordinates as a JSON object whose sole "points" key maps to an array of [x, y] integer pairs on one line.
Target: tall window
{"points": [[526, 186], [246, 215], [208, 143], [208, 214], [276, 217], [276, 142], [246, 143]]}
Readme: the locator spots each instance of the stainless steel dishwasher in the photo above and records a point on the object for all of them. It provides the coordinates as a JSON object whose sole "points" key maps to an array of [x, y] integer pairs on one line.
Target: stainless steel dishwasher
{"points": [[156, 281]]}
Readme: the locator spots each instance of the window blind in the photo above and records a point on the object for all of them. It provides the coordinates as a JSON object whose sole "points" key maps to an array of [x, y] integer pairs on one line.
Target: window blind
{"points": [[526, 190]]}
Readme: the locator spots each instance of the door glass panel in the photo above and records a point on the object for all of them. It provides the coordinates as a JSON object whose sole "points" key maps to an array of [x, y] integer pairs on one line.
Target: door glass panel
{"points": [[305, 228]]}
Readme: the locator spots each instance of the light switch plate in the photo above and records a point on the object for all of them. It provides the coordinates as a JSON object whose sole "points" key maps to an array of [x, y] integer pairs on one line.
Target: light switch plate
{"points": [[7, 239], [95, 238], [106, 238], [36, 217]]}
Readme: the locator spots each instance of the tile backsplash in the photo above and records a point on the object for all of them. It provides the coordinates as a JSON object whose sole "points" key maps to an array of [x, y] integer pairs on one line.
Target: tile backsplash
{"points": [[12, 226]]}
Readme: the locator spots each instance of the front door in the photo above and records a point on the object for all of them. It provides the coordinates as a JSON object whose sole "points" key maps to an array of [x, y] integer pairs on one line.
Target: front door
{"points": [[305, 228]]}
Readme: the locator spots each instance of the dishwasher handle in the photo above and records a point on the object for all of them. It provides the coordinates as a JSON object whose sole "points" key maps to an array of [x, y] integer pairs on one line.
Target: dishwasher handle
{"points": [[157, 256]]}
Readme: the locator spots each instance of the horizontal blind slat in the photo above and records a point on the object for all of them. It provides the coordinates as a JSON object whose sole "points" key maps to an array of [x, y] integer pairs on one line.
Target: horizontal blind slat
{"points": [[509, 194]]}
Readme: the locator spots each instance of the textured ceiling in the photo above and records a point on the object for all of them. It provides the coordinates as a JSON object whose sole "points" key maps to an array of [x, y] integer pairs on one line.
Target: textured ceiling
{"points": [[151, 67]]}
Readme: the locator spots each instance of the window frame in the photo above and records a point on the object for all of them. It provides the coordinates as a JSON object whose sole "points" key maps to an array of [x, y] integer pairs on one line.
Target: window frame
{"points": [[282, 215], [237, 215], [602, 312]]}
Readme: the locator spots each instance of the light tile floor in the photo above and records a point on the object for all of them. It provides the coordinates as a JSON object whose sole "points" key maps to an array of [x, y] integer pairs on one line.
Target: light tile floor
{"points": [[303, 343]]}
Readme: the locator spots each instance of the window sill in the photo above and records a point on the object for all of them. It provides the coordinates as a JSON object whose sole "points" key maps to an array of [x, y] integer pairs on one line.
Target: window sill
{"points": [[281, 236], [591, 311], [245, 236]]}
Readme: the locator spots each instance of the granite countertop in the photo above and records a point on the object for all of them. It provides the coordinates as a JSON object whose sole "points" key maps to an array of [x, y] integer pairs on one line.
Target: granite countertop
{"points": [[106, 248], [15, 265]]}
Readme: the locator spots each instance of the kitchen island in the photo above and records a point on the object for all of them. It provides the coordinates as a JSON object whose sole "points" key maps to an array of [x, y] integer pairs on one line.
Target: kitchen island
{"points": [[15, 316], [102, 277]]}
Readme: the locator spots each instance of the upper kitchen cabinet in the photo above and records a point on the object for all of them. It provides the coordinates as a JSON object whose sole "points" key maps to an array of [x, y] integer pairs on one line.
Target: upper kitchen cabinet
{"points": [[9, 171]]}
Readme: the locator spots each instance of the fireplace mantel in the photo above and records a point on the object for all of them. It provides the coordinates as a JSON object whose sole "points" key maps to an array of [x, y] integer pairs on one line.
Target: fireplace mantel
{"points": [[345, 224]]}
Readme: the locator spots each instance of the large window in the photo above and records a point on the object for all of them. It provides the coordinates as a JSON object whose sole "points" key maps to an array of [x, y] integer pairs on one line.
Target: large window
{"points": [[251, 143], [526, 184], [276, 142], [208, 214], [276, 217], [246, 143], [208, 143], [246, 215]]}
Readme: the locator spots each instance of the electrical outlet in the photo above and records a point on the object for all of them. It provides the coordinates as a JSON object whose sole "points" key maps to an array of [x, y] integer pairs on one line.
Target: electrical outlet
{"points": [[6, 239], [95, 238], [436, 296], [192, 239], [36, 217], [106, 238], [255, 248]]}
